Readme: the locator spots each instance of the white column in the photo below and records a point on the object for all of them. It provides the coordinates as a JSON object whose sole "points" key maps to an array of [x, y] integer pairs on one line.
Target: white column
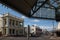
{"points": [[7, 31], [3, 26], [58, 28], [7, 25], [2, 31], [7, 21]]}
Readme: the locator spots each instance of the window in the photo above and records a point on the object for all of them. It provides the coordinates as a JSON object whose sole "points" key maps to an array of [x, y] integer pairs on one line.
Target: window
{"points": [[13, 31], [10, 21], [21, 31], [5, 31], [32, 29], [13, 22], [10, 31], [16, 22]]}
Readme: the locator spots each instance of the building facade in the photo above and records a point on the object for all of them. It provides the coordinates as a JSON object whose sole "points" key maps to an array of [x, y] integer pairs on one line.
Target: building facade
{"points": [[35, 30], [11, 25], [58, 29]]}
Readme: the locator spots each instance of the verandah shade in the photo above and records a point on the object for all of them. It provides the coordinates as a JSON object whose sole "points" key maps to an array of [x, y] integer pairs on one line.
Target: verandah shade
{"points": [[23, 6]]}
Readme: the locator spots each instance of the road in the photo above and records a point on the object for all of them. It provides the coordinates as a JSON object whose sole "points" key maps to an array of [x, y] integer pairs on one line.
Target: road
{"points": [[31, 38]]}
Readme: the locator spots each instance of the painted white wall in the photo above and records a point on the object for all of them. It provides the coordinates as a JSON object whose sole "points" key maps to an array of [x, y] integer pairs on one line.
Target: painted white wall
{"points": [[1, 23], [34, 29], [58, 28]]}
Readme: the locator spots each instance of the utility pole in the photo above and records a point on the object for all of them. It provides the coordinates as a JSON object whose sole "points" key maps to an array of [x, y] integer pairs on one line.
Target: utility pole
{"points": [[53, 27], [28, 32]]}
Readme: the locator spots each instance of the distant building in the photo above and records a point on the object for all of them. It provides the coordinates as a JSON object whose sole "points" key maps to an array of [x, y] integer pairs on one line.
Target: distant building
{"points": [[11, 25], [35, 30], [45, 32], [58, 29]]}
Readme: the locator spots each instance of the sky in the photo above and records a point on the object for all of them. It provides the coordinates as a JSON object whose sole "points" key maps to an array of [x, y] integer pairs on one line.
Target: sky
{"points": [[42, 23]]}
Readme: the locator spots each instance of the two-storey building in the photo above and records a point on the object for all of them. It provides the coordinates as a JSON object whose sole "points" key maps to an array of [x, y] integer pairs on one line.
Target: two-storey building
{"points": [[11, 25]]}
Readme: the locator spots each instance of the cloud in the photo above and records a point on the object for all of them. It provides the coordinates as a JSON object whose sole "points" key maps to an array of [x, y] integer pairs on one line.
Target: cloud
{"points": [[1, 15], [35, 24], [46, 27], [36, 20], [23, 17], [25, 25]]}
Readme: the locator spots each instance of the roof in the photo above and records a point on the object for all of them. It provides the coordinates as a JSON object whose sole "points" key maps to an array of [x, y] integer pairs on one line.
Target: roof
{"points": [[12, 16], [30, 7], [23, 6]]}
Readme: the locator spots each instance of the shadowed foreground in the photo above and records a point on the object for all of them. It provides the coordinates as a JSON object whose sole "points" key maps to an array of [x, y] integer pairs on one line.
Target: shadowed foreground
{"points": [[31, 38]]}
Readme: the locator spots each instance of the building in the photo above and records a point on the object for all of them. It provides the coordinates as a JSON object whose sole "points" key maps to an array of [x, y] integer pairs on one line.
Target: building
{"points": [[11, 25], [35, 30], [58, 29]]}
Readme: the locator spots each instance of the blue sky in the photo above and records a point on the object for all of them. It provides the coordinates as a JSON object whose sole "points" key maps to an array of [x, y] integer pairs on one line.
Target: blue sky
{"points": [[48, 24]]}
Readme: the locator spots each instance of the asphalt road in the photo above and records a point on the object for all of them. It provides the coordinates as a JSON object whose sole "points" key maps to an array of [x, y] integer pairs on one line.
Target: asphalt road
{"points": [[31, 38]]}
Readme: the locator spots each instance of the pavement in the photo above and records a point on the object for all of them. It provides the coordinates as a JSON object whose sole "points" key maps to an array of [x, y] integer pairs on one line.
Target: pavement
{"points": [[31, 38]]}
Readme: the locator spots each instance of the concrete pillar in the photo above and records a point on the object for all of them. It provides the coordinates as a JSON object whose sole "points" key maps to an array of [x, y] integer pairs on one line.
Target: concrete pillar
{"points": [[7, 25], [3, 26], [7, 21], [7, 31], [3, 30]]}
